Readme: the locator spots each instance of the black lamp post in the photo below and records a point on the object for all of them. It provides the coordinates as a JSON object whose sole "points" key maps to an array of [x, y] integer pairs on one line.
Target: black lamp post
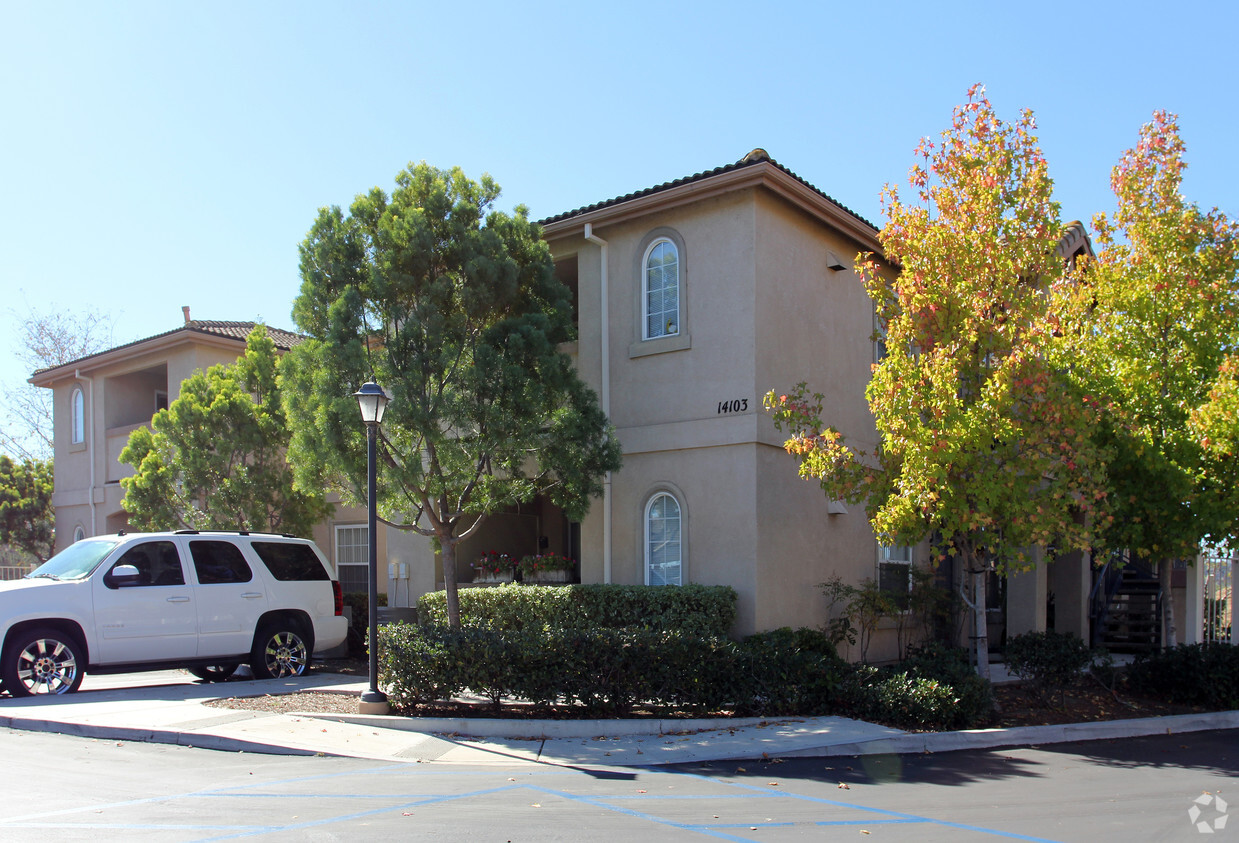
{"points": [[373, 401]]}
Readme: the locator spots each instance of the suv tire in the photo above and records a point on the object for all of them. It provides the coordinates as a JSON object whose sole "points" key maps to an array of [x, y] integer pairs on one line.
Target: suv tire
{"points": [[214, 672], [43, 661], [281, 650]]}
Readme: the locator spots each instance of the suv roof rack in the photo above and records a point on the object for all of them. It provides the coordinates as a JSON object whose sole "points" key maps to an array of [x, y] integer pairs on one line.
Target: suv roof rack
{"points": [[231, 533]]}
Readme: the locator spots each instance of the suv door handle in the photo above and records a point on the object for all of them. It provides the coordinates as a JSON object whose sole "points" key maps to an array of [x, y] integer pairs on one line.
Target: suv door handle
{"points": [[250, 595], [178, 599]]}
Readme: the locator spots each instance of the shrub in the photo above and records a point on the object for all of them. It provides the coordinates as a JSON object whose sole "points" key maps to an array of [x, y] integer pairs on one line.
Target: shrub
{"points": [[359, 624], [974, 696], [608, 671], [696, 609], [1191, 674], [1051, 660], [788, 671], [905, 697], [416, 667]]}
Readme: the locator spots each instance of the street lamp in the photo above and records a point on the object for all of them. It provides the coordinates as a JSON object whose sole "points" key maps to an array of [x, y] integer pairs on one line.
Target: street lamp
{"points": [[372, 401]]}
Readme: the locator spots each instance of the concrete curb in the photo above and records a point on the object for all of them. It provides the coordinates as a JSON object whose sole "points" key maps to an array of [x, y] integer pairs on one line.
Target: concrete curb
{"points": [[482, 727], [920, 742], [98, 731]]}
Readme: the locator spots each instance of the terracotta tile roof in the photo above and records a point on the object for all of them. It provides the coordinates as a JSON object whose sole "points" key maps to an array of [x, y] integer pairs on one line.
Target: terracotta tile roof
{"points": [[757, 156], [240, 330], [284, 340]]}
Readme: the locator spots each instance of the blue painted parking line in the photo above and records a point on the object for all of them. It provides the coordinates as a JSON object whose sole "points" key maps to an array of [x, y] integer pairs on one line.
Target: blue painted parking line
{"points": [[363, 804]]}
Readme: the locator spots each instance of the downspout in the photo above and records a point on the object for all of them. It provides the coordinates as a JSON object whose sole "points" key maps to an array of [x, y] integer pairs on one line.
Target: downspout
{"points": [[605, 320], [89, 421]]}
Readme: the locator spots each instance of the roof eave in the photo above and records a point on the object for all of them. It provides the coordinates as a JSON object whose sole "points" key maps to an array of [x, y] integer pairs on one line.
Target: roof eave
{"points": [[113, 356], [764, 174]]}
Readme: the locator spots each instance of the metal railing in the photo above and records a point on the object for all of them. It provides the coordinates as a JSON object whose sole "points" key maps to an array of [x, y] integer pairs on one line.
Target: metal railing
{"points": [[13, 572], [1219, 590]]}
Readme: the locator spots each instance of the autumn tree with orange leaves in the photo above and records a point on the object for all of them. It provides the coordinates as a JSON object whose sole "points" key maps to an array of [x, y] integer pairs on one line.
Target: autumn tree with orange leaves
{"points": [[1157, 323], [986, 443]]}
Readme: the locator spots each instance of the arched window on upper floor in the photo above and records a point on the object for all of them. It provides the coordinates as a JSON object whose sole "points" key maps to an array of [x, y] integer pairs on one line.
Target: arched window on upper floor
{"points": [[660, 290], [77, 416]]}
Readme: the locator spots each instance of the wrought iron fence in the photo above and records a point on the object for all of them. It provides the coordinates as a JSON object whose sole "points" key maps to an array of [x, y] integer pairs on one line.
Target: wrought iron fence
{"points": [[13, 572], [1219, 590]]}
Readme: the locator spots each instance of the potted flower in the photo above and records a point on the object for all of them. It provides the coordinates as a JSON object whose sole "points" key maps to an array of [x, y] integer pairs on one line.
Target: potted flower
{"points": [[546, 567], [493, 566]]}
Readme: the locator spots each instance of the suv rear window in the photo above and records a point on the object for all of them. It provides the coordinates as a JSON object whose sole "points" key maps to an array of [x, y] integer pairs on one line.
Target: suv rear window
{"points": [[289, 562]]}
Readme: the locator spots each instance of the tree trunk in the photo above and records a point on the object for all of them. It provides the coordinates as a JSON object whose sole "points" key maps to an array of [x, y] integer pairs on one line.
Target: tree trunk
{"points": [[980, 617], [447, 553], [1170, 636], [979, 571]]}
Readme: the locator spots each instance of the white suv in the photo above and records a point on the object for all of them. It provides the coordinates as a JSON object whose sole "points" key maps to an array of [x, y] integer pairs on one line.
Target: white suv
{"points": [[144, 601]]}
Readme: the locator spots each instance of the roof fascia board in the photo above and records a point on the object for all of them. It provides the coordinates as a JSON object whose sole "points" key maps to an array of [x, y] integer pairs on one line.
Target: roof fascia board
{"points": [[763, 174], [115, 356]]}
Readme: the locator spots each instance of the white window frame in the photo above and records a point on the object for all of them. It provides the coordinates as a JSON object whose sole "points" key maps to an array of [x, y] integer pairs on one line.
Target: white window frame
{"points": [[77, 416], [648, 550], [78, 534], [896, 555], [645, 292], [364, 546]]}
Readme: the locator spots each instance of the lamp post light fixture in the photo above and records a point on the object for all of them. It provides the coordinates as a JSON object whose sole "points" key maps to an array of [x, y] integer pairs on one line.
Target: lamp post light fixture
{"points": [[372, 401]]}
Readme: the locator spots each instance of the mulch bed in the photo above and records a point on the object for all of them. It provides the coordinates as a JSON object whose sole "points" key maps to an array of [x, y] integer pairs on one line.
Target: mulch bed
{"points": [[1086, 702]]}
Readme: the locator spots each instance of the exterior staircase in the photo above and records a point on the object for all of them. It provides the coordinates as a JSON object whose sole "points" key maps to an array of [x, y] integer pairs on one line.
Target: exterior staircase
{"points": [[1127, 609]]}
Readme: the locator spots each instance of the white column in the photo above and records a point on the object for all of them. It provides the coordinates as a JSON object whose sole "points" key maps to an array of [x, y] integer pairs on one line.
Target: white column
{"points": [[1026, 595], [1194, 598], [1230, 600]]}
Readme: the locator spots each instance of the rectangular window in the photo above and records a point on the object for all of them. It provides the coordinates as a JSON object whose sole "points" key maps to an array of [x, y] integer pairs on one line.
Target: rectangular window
{"points": [[895, 572], [353, 558]]}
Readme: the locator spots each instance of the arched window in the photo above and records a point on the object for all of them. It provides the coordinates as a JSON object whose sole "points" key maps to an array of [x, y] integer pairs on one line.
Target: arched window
{"points": [[77, 416], [663, 559], [660, 290], [78, 533]]}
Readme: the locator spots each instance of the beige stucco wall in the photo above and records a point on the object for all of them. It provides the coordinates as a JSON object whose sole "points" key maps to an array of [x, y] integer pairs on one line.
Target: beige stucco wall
{"points": [[761, 312], [118, 392]]}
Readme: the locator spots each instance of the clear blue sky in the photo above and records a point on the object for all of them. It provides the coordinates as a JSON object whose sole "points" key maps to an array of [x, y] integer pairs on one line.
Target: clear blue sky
{"points": [[160, 154]]}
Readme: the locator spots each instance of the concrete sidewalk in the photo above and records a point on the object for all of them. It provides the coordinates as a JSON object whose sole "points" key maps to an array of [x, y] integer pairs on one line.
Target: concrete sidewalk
{"points": [[169, 707]]}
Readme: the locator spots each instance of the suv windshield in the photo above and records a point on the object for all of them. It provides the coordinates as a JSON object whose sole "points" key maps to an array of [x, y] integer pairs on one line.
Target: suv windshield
{"points": [[75, 561]]}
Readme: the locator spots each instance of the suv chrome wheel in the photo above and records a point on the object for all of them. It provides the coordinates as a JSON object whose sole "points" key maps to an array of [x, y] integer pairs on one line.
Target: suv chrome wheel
{"points": [[43, 661], [279, 652]]}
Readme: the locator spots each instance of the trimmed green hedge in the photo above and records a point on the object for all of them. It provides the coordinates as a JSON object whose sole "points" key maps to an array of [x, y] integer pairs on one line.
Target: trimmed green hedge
{"points": [[1050, 660], [1192, 674], [608, 671], [707, 610]]}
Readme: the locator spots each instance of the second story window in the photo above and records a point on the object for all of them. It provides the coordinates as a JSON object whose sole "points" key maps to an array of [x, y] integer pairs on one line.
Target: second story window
{"points": [[660, 288], [77, 416]]}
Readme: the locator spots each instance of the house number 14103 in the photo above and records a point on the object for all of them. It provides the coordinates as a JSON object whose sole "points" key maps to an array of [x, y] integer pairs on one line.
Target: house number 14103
{"points": [[738, 405]]}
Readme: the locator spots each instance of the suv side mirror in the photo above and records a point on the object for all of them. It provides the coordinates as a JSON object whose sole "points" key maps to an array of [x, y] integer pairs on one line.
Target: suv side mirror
{"points": [[122, 576]]}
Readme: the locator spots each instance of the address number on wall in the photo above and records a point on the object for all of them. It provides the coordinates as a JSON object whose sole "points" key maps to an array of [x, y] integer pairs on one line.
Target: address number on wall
{"points": [[736, 405]]}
